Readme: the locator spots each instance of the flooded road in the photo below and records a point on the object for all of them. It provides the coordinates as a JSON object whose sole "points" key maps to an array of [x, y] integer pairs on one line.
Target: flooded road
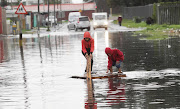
{"points": [[37, 74]]}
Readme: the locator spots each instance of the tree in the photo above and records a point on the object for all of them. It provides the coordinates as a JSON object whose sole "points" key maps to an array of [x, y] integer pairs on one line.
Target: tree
{"points": [[128, 3], [3, 3]]}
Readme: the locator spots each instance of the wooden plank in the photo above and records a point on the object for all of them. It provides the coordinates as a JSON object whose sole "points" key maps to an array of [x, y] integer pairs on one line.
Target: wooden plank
{"points": [[109, 76], [101, 77], [88, 67]]}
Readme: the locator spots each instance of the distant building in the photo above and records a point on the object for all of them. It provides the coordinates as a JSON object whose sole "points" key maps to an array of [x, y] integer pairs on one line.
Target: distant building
{"points": [[66, 1], [32, 2], [88, 8], [12, 1]]}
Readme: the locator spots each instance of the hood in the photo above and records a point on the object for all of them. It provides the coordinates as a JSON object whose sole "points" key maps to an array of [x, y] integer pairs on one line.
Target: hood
{"points": [[87, 35], [108, 50]]}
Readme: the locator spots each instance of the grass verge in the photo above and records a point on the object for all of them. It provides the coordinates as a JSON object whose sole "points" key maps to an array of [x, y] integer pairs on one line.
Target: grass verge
{"points": [[154, 32]]}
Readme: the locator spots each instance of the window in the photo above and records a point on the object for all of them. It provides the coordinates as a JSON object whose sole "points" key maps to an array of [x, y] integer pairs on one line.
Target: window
{"points": [[100, 17], [84, 19]]}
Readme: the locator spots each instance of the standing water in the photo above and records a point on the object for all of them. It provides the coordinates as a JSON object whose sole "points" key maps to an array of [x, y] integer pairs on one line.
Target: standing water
{"points": [[37, 74]]}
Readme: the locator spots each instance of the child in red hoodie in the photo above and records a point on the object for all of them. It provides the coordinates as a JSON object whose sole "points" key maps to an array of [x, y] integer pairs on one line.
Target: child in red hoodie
{"points": [[88, 46], [115, 57]]}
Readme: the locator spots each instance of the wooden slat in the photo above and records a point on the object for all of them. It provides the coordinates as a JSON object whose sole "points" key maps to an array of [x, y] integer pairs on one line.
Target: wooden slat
{"points": [[101, 77], [88, 68], [108, 76]]}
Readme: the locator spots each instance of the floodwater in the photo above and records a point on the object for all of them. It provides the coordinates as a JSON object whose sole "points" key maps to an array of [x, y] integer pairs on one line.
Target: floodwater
{"points": [[37, 74]]}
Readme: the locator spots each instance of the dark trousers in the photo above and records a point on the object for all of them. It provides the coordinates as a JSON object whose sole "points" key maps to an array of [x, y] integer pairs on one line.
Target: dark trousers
{"points": [[91, 60], [119, 23]]}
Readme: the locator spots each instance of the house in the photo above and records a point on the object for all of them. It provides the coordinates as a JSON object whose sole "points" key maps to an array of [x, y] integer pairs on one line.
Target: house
{"points": [[66, 1], [61, 12], [12, 1], [87, 9], [31, 2]]}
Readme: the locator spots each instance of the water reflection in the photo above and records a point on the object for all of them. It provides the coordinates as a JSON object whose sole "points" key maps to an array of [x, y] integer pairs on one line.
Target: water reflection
{"points": [[1, 51], [90, 103], [26, 96], [95, 43], [36, 75], [107, 38], [40, 51], [147, 55], [116, 92]]}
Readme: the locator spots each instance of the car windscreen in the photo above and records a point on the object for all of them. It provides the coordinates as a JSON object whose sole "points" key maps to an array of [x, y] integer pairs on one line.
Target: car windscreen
{"points": [[73, 17], [51, 17], [100, 17], [84, 19]]}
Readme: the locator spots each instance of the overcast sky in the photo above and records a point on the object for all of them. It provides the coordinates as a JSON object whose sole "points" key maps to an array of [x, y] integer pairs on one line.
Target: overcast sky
{"points": [[77, 1]]}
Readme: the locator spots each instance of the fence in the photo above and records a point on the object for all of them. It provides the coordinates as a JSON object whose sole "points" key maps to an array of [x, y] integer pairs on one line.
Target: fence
{"points": [[138, 11], [168, 14]]}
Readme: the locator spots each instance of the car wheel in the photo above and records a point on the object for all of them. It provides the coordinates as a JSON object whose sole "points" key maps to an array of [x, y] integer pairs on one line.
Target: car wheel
{"points": [[81, 29], [76, 29], [88, 28], [106, 28], [94, 28]]}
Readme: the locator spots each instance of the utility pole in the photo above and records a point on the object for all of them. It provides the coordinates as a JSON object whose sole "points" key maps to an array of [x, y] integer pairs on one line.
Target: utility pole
{"points": [[11, 4], [83, 6], [57, 4], [38, 19], [48, 17], [43, 6], [54, 15], [61, 10]]}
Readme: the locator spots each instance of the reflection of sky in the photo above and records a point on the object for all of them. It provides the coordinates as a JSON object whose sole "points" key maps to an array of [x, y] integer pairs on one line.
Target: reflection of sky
{"points": [[39, 83], [95, 43], [107, 38]]}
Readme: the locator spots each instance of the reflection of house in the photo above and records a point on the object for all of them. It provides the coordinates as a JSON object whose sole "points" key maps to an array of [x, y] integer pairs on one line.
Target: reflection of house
{"points": [[1, 51]]}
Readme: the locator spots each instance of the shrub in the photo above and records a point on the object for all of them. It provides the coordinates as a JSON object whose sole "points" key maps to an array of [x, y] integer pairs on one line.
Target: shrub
{"points": [[149, 21], [137, 19]]}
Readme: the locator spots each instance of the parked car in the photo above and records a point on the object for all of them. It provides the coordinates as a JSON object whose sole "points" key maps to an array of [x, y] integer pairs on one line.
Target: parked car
{"points": [[51, 20], [83, 23], [72, 20], [100, 20]]}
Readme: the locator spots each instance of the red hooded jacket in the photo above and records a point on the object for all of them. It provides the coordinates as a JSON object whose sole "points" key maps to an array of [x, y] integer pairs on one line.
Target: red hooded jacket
{"points": [[116, 55], [89, 44], [119, 19]]}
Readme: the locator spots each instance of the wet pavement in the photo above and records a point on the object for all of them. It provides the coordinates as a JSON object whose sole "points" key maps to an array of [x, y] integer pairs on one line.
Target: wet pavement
{"points": [[37, 74]]}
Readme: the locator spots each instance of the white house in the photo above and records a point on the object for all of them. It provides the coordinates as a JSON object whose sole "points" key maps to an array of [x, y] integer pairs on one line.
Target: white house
{"points": [[66, 1], [12, 1], [32, 2]]}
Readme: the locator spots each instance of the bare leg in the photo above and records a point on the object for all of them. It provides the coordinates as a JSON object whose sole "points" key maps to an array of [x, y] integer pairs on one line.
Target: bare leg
{"points": [[119, 70], [111, 70]]}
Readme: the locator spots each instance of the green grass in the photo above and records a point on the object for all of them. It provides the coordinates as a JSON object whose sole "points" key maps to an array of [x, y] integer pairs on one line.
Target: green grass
{"points": [[154, 32], [24, 31]]}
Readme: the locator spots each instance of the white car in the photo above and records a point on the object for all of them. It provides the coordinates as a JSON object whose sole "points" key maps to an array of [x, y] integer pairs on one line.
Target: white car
{"points": [[100, 20], [83, 22], [51, 20], [72, 19]]}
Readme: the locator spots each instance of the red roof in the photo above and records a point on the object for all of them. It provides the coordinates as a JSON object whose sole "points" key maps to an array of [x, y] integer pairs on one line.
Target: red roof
{"points": [[64, 7]]}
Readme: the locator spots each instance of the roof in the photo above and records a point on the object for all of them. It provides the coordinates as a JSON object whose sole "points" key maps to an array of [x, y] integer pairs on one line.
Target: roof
{"points": [[64, 7]]}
